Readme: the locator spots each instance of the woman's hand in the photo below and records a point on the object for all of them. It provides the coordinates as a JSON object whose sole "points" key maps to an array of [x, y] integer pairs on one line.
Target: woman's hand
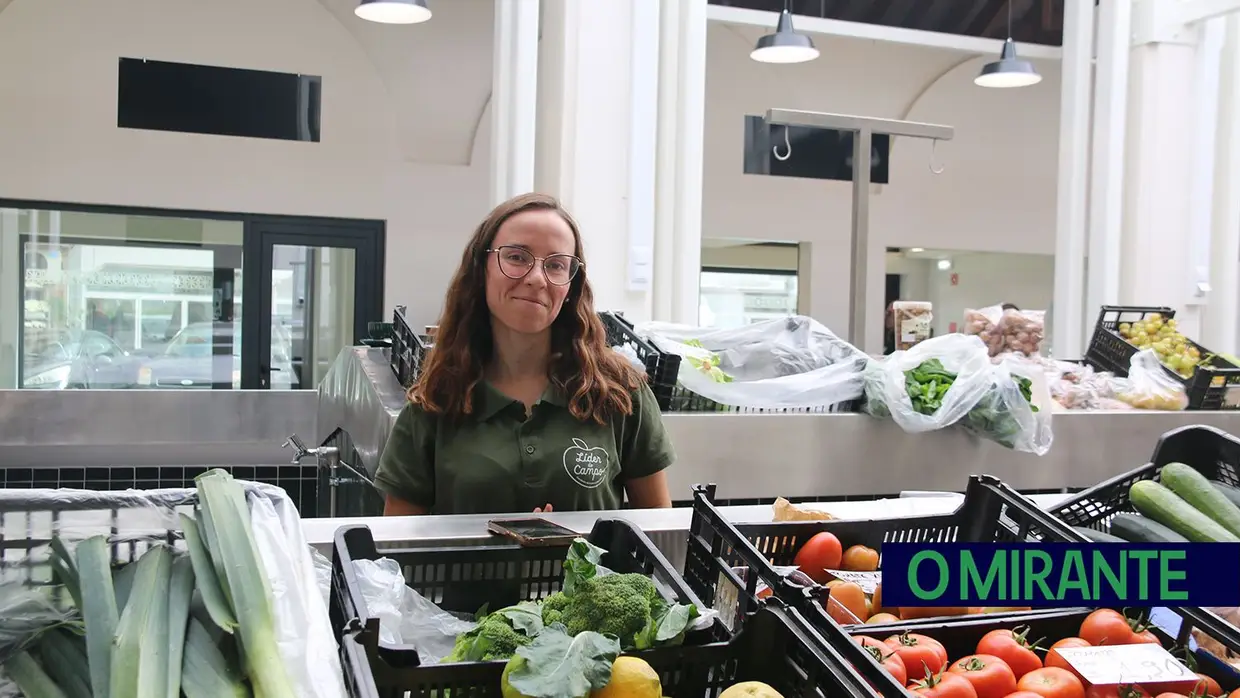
{"points": [[543, 510]]}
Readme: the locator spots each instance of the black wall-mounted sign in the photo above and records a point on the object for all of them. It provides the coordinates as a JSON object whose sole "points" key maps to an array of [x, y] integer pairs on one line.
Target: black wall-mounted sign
{"points": [[189, 98], [817, 153]]}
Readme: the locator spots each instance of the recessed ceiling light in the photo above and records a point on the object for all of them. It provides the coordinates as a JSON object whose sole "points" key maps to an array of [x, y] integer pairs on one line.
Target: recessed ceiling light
{"points": [[393, 11]]}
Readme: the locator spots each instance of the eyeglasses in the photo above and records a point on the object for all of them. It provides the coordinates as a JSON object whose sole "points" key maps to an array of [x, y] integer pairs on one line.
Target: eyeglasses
{"points": [[516, 263]]}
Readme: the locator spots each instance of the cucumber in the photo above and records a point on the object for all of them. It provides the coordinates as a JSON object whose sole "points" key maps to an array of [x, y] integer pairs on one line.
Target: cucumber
{"points": [[1194, 488], [1167, 508], [1228, 491], [1098, 536], [1135, 528]]}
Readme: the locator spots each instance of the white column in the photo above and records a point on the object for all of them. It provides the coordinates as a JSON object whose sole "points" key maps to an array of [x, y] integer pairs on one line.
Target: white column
{"points": [[1070, 231], [595, 141], [690, 135], [514, 98], [1106, 187], [1219, 331], [11, 293]]}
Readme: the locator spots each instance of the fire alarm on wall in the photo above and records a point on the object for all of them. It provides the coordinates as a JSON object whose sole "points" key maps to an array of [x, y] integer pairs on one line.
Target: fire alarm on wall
{"points": [[955, 279]]}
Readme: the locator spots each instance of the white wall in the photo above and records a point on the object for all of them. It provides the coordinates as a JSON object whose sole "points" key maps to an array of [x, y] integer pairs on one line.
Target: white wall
{"points": [[997, 193], [398, 127]]}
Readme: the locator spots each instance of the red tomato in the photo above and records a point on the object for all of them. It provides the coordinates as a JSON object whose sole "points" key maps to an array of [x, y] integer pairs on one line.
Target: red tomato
{"points": [[1023, 694], [1106, 627], [944, 684], [1052, 682], [1201, 686], [885, 657], [1211, 686], [990, 676], [821, 552], [1171, 695], [1145, 637], [1053, 658], [1012, 647], [922, 655], [1124, 690]]}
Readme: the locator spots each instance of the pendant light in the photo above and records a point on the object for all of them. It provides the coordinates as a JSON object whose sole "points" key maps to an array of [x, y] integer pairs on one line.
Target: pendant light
{"points": [[785, 45], [1008, 71], [393, 11]]}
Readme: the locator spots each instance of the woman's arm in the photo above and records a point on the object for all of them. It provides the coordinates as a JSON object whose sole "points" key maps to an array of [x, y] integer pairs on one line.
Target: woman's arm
{"points": [[649, 492], [394, 506]]}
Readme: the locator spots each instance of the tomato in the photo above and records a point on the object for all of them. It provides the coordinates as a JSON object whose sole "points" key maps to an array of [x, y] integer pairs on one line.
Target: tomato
{"points": [[1023, 694], [860, 558], [990, 676], [1052, 682], [922, 655], [1053, 658], [1171, 695], [882, 618], [885, 657], [821, 552], [914, 612], [1012, 647], [1145, 637], [1211, 686], [1124, 690], [944, 684], [1201, 686], [1106, 627], [850, 596]]}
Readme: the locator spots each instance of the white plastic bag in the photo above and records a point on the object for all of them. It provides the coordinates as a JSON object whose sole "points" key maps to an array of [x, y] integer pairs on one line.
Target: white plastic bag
{"points": [[1149, 386], [887, 386], [405, 616], [1004, 415], [787, 363]]}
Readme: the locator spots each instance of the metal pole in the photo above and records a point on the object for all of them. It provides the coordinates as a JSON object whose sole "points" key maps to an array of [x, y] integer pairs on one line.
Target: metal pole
{"points": [[862, 142]]}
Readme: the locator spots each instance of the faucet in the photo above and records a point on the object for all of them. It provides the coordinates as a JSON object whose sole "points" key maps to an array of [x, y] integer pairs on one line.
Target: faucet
{"points": [[326, 458]]}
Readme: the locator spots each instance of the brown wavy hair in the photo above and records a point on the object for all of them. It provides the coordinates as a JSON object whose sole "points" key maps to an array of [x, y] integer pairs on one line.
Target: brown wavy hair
{"points": [[597, 380]]}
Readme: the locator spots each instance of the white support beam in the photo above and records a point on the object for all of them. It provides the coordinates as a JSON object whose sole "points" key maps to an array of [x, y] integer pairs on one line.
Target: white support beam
{"points": [[514, 98], [1106, 187], [877, 32], [1194, 11], [1070, 232], [1219, 330]]}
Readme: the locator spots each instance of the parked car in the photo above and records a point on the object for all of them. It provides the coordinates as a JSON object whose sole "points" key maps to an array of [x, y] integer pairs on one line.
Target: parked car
{"points": [[79, 359], [189, 361]]}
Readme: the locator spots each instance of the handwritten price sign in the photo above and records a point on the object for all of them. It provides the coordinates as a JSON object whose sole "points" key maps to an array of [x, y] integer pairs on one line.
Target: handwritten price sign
{"points": [[1112, 665], [868, 581]]}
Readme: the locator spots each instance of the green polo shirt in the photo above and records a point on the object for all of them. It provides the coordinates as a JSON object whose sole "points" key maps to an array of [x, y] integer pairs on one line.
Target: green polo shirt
{"points": [[498, 461]]}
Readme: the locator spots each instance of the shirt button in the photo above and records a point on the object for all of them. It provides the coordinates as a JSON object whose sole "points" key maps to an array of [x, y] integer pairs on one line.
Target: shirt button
{"points": [[529, 449]]}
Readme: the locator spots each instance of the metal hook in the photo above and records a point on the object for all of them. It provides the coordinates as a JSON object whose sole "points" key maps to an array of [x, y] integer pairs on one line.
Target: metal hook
{"points": [[934, 146], [787, 146]]}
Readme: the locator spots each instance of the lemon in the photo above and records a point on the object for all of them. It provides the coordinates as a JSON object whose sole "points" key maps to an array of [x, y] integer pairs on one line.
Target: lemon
{"points": [[631, 678], [505, 688], [750, 689]]}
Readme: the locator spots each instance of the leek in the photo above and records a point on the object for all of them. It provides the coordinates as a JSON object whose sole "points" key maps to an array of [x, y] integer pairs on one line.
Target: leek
{"points": [[99, 610], [206, 672], [30, 677], [64, 657], [207, 580], [140, 651], [122, 581], [66, 571], [178, 615], [228, 515]]}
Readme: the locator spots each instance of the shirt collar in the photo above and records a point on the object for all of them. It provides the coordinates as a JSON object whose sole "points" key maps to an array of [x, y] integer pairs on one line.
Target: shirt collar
{"points": [[489, 401]]}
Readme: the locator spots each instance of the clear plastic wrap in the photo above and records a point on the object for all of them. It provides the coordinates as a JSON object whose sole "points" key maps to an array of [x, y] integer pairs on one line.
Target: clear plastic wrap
{"points": [[1009, 417], [134, 520], [1149, 387], [788, 363], [405, 616], [1004, 331], [887, 385]]}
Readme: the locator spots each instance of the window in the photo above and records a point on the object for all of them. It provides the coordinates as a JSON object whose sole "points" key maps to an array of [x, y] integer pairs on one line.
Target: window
{"points": [[738, 297]]}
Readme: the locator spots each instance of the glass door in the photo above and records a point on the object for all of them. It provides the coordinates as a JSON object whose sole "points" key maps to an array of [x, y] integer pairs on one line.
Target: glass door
{"points": [[318, 288]]}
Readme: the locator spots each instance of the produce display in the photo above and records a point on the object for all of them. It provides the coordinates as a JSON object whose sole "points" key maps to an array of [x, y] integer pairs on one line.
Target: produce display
{"points": [[197, 623], [1182, 506], [1007, 663], [1174, 350], [991, 416], [1007, 331]]}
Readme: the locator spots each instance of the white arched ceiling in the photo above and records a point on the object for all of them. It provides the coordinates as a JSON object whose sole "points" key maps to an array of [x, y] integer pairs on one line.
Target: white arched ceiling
{"points": [[438, 74]]}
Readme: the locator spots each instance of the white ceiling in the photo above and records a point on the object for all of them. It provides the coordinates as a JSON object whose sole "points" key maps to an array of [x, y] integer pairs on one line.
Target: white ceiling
{"points": [[438, 73]]}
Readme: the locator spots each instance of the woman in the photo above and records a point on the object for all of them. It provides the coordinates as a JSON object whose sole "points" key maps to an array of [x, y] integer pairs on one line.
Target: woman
{"points": [[522, 405]]}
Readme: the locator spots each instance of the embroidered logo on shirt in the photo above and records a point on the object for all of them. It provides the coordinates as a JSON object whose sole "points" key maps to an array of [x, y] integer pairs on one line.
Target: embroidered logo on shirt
{"points": [[586, 466]]}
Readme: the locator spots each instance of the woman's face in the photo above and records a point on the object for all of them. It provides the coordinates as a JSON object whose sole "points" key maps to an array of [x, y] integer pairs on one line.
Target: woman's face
{"points": [[530, 304]]}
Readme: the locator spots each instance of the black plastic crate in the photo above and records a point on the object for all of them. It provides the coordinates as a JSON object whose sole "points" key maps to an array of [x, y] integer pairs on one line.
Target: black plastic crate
{"points": [[777, 647], [466, 578], [991, 512], [408, 349], [960, 636], [1212, 452], [1214, 385], [661, 368]]}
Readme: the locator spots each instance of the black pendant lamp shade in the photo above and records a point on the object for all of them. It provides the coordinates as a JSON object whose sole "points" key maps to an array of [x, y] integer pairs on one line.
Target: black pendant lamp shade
{"points": [[1008, 71], [785, 45], [393, 11]]}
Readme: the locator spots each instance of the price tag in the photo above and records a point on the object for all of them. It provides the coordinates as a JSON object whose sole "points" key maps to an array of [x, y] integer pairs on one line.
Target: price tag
{"points": [[1112, 665], [868, 581], [727, 601]]}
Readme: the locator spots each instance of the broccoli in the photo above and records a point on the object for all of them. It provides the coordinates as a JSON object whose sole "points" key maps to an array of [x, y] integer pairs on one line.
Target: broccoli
{"points": [[623, 605], [497, 635], [553, 608]]}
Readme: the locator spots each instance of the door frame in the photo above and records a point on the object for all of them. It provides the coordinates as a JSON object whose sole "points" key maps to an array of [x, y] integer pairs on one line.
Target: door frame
{"points": [[365, 238], [313, 231]]}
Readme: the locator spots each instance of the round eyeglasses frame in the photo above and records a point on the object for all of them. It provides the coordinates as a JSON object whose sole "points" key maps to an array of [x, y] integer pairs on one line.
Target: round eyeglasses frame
{"points": [[540, 261]]}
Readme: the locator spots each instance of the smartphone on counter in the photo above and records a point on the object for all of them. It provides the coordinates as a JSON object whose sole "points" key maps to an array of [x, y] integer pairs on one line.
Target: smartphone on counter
{"points": [[533, 532]]}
